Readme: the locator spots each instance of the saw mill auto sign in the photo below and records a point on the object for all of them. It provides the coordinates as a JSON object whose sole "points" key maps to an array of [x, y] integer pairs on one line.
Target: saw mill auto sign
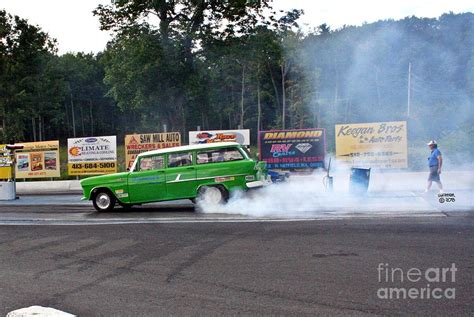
{"points": [[293, 149], [139, 143], [92, 155], [375, 145]]}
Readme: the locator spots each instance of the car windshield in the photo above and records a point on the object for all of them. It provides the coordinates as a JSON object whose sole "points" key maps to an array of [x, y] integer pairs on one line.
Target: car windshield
{"points": [[246, 150]]}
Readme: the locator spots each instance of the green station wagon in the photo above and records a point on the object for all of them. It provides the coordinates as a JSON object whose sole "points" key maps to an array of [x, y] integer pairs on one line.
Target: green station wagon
{"points": [[205, 171]]}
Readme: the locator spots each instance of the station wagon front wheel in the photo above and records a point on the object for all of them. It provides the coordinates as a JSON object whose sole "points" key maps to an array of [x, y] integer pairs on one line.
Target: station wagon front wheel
{"points": [[212, 195], [103, 201]]}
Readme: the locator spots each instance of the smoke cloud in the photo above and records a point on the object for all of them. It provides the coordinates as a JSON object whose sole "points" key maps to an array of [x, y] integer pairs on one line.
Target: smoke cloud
{"points": [[364, 78], [307, 197]]}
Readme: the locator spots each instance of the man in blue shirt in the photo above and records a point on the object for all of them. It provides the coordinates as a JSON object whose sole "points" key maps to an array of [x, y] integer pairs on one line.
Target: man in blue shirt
{"points": [[435, 161]]}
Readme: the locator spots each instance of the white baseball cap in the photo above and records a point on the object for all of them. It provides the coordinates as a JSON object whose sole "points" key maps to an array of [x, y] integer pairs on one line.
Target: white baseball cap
{"points": [[432, 142]]}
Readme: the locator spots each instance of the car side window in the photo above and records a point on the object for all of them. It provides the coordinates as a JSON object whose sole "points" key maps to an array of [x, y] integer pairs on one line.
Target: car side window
{"points": [[220, 155], [149, 163], [180, 159]]}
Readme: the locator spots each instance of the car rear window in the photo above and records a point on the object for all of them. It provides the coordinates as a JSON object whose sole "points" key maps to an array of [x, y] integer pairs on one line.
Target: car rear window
{"points": [[180, 159], [219, 155]]}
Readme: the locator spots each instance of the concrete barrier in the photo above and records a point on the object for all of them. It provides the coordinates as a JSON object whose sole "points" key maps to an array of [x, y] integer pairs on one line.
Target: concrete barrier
{"points": [[48, 187], [398, 181], [416, 181]]}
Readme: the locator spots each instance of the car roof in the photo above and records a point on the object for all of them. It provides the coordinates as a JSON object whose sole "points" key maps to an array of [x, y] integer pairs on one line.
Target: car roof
{"points": [[189, 148]]}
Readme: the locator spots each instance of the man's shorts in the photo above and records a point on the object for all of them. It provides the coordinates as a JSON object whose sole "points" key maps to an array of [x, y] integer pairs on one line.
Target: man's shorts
{"points": [[434, 176]]}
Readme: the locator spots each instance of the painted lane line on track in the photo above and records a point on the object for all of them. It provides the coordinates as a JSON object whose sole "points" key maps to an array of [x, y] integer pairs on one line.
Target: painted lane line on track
{"points": [[80, 222]]}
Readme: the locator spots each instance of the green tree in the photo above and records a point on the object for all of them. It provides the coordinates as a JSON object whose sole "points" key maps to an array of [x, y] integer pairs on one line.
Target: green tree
{"points": [[87, 110], [163, 71], [28, 87]]}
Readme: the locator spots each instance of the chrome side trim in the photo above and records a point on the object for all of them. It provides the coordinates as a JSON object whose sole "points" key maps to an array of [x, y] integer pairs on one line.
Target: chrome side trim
{"points": [[201, 178]]}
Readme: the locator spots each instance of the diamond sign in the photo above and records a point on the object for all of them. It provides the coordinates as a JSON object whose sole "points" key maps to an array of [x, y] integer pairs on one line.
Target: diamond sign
{"points": [[304, 147]]}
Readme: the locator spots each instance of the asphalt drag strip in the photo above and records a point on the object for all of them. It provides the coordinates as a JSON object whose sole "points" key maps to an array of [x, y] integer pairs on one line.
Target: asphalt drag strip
{"points": [[291, 268]]}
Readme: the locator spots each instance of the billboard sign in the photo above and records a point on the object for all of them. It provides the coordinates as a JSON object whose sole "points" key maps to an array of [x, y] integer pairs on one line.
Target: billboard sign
{"points": [[374, 145], [214, 136], [5, 163], [293, 149], [38, 159], [92, 155], [138, 143]]}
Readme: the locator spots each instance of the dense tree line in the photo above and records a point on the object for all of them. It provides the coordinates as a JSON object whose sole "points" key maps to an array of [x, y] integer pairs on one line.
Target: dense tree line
{"points": [[228, 64]]}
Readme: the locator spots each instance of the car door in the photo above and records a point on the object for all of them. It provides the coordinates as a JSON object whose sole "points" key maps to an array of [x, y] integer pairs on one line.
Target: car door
{"points": [[181, 175], [148, 182]]}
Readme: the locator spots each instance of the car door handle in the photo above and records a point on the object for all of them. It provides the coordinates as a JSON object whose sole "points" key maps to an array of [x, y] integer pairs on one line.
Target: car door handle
{"points": [[190, 168]]}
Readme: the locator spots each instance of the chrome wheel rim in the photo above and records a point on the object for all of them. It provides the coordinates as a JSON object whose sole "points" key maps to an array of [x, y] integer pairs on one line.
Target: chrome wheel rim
{"points": [[103, 201]]}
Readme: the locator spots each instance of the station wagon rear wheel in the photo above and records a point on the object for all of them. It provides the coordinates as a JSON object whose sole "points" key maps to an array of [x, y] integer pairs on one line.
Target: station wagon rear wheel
{"points": [[212, 195], [103, 201]]}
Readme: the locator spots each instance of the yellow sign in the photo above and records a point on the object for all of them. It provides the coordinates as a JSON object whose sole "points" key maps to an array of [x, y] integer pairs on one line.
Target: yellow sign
{"points": [[5, 163], [375, 145], [38, 159], [5, 172], [138, 143]]}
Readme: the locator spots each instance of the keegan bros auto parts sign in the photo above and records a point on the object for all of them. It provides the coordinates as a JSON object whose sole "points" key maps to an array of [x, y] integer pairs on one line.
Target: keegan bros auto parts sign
{"points": [[93, 155], [138, 143], [377, 145], [293, 148]]}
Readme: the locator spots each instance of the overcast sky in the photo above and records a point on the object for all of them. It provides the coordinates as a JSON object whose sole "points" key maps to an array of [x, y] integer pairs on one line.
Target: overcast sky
{"points": [[76, 29]]}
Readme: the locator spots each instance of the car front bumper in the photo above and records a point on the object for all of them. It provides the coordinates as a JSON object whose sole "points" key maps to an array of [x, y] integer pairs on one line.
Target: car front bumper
{"points": [[258, 184]]}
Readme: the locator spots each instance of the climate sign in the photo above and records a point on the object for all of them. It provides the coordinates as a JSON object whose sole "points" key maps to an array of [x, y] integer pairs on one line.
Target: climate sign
{"points": [[375, 145], [92, 155], [293, 149]]}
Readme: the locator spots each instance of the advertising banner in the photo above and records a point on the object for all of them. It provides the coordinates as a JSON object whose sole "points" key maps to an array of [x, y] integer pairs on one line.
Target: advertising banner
{"points": [[138, 143], [293, 149], [374, 145], [92, 155], [213, 136], [5, 163], [38, 159]]}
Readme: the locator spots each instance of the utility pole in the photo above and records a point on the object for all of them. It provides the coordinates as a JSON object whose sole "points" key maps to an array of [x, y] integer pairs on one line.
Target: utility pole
{"points": [[72, 111], [283, 95], [409, 91], [242, 111]]}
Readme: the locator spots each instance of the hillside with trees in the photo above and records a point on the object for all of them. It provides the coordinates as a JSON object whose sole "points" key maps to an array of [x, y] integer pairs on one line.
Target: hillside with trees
{"points": [[221, 65]]}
